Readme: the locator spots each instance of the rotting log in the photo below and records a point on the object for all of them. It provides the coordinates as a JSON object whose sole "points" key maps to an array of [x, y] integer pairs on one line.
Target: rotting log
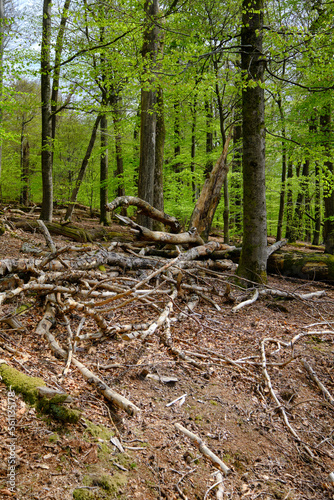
{"points": [[76, 233], [311, 266], [147, 209]]}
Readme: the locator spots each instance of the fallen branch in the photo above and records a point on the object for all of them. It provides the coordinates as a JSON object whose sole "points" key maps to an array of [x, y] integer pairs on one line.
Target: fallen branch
{"points": [[246, 302], [142, 232], [280, 408], [145, 208], [198, 442], [315, 379]]}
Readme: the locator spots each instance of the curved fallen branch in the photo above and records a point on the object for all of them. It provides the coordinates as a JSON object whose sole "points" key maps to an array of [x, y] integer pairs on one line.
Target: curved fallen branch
{"points": [[142, 232], [147, 209]]}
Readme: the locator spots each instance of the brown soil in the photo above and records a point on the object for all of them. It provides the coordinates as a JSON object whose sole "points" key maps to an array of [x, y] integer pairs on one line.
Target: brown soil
{"points": [[229, 407]]}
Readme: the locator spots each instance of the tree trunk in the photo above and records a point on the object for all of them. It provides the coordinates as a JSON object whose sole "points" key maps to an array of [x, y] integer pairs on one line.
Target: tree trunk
{"points": [[104, 218], [193, 146], [283, 178], [236, 186], [46, 156], [148, 124], [326, 129], [82, 171], [158, 197], [253, 260], [226, 212], [208, 200], [56, 71], [209, 136], [289, 202], [25, 172]]}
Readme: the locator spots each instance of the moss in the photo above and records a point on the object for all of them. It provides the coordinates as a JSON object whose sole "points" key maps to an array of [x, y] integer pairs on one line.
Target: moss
{"points": [[54, 438], [82, 494], [108, 485], [99, 431], [21, 383], [55, 409]]}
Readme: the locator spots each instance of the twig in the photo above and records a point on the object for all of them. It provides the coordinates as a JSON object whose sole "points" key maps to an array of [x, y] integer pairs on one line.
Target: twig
{"points": [[247, 302], [315, 379], [204, 449]]}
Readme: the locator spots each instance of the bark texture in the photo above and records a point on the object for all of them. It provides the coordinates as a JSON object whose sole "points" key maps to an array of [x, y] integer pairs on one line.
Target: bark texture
{"points": [[46, 156], [253, 259]]}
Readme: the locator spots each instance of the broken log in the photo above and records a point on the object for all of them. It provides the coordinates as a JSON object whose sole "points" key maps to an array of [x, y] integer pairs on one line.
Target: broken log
{"points": [[76, 233], [190, 237], [311, 266], [147, 209]]}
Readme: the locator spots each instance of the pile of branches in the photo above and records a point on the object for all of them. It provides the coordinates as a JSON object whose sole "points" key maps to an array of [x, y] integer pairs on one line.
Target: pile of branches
{"points": [[84, 288]]}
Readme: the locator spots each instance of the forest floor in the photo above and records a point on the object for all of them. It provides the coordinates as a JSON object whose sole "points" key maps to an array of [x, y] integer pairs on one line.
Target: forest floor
{"points": [[228, 406]]}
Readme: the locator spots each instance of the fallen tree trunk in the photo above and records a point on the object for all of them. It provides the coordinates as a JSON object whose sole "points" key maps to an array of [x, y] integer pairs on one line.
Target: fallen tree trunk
{"points": [[314, 266], [147, 209], [76, 233]]}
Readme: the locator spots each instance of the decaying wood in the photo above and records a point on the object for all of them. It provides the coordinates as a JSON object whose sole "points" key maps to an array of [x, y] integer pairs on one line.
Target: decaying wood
{"points": [[210, 195], [47, 235], [190, 237], [75, 233], [315, 266], [198, 442], [314, 377], [147, 209], [108, 393], [280, 408]]}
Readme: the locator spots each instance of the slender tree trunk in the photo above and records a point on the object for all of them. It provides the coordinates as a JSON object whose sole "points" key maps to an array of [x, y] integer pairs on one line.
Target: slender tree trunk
{"points": [[148, 112], [104, 215], [253, 259], [226, 212], [289, 202], [326, 129], [209, 136], [83, 169], [158, 197], [237, 172], [46, 156], [25, 171], [283, 178], [298, 218], [317, 205], [56, 70], [193, 146]]}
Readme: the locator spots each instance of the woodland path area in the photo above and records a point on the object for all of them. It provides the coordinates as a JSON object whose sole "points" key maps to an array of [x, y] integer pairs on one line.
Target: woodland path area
{"points": [[251, 383]]}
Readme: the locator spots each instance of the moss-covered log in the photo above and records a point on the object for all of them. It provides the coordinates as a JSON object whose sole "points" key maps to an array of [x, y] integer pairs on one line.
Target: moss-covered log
{"points": [[28, 387], [313, 266], [76, 233]]}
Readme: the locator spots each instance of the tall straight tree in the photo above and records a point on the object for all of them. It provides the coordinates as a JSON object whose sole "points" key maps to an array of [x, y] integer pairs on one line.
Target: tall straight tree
{"points": [[148, 124], [326, 129], [253, 260], [47, 202]]}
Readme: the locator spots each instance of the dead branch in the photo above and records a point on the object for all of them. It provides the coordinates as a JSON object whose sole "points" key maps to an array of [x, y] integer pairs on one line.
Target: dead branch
{"points": [[314, 377], [198, 442], [246, 302], [147, 209], [108, 393], [47, 235], [280, 408], [142, 232]]}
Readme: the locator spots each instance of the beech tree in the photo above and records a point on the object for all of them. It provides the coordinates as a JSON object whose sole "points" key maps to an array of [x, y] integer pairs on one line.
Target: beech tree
{"points": [[253, 260]]}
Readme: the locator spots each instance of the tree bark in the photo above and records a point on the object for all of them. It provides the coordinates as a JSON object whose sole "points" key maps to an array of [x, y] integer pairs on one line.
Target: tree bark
{"points": [[253, 261], [148, 125], [208, 200], [283, 177], [46, 156], [326, 129]]}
